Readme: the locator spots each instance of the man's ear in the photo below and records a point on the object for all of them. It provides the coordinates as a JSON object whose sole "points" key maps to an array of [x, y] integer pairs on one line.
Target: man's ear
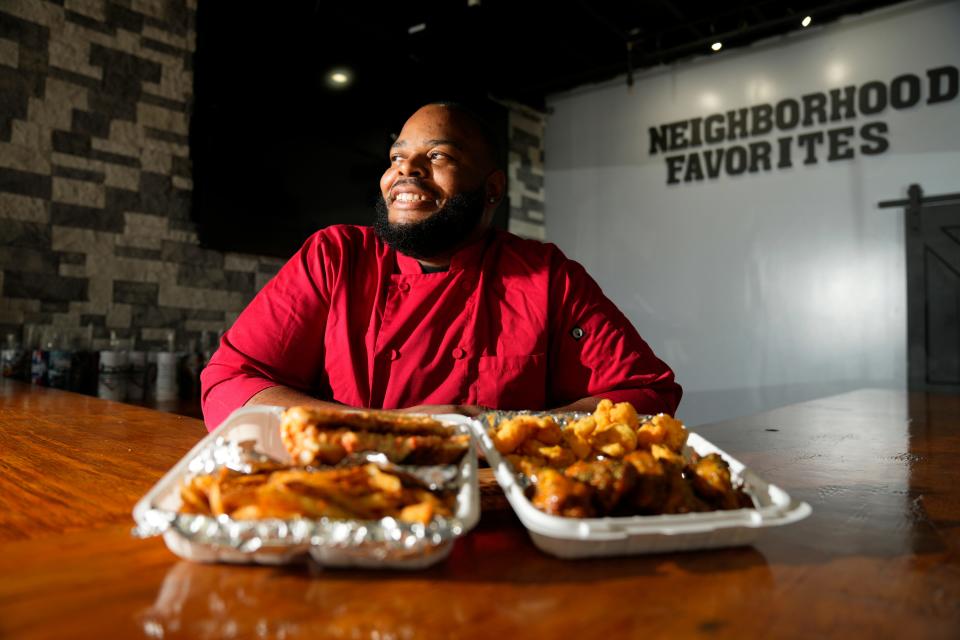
{"points": [[496, 187]]}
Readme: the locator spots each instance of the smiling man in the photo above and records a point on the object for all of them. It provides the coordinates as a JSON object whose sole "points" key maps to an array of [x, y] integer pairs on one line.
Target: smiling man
{"points": [[431, 309]]}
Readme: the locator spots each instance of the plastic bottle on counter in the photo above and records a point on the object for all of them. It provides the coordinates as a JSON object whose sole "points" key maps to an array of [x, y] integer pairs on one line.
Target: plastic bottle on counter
{"points": [[137, 380], [190, 366], [166, 384], [13, 359], [84, 366], [112, 381], [59, 362], [208, 344], [38, 364], [150, 386]]}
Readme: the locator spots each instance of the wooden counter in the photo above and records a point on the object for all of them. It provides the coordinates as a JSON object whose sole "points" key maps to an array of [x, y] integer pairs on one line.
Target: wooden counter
{"points": [[878, 557]]}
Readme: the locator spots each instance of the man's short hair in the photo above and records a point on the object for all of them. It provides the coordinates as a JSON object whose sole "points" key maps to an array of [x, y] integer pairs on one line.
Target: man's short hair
{"points": [[488, 135]]}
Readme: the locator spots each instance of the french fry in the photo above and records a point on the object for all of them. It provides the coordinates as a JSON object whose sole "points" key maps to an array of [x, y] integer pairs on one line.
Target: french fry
{"points": [[363, 492]]}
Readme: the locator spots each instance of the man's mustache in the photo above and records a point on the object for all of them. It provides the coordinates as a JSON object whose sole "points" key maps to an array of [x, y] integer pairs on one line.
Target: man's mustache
{"points": [[412, 182]]}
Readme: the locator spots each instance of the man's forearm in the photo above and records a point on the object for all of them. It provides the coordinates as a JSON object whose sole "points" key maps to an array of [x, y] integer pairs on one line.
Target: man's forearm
{"points": [[286, 397]]}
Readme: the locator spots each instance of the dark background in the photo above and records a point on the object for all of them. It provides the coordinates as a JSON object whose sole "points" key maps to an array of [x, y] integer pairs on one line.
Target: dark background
{"points": [[277, 153]]}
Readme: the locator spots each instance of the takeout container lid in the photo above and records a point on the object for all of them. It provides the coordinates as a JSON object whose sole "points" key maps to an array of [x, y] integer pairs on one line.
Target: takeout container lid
{"points": [[591, 537], [261, 424]]}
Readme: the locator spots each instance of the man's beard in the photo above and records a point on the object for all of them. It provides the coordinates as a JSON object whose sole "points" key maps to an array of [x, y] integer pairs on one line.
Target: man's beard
{"points": [[437, 234]]}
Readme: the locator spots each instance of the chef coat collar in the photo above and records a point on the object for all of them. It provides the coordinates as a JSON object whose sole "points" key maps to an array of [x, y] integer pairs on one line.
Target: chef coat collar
{"points": [[468, 256]]}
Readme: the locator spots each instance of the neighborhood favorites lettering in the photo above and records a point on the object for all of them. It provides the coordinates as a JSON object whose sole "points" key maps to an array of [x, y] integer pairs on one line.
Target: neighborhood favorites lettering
{"points": [[706, 156]]}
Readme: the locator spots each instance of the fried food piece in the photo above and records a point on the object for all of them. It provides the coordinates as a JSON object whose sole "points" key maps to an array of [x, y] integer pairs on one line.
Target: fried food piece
{"points": [[663, 430], [527, 465], [421, 512], [231, 490], [666, 454], [561, 496], [290, 500], [610, 431], [529, 447], [661, 486], [615, 440], [584, 427], [680, 497], [650, 488], [710, 477], [555, 456], [195, 494], [575, 439], [511, 434], [607, 414], [610, 480], [364, 492], [548, 433], [317, 436], [412, 449], [377, 421]]}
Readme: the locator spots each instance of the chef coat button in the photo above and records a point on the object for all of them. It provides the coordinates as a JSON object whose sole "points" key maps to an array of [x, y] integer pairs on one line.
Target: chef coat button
{"points": [[459, 353], [404, 286], [394, 354]]}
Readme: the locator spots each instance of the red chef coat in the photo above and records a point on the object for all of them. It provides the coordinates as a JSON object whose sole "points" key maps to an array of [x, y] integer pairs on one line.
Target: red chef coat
{"points": [[512, 324]]}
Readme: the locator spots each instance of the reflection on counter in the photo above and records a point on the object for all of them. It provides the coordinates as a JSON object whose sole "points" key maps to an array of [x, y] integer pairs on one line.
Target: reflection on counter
{"points": [[219, 601], [494, 580]]}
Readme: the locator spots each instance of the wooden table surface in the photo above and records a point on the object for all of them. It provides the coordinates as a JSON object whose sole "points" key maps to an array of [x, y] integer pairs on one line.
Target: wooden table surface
{"points": [[878, 557]]}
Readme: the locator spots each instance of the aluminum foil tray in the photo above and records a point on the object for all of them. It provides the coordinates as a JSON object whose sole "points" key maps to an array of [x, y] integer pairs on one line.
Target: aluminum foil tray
{"points": [[613, 536], [253, 432]]}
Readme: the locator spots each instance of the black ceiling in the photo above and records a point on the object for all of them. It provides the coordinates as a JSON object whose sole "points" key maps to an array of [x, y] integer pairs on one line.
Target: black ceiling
{"points": [[519, 50]]}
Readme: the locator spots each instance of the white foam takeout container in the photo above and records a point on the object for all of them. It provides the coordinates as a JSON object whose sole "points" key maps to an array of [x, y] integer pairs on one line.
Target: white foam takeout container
{"points": [[261, 424], [633, 535]]}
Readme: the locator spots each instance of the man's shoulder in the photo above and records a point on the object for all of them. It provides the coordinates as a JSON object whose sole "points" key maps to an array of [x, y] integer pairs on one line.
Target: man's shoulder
{"points": [[535, 256], [345, 234], [344, 239], [343, 244], [529, 249]]}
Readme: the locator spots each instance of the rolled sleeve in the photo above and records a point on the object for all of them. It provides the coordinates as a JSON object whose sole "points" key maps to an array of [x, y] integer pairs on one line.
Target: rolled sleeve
{"points": [[225, 391]]}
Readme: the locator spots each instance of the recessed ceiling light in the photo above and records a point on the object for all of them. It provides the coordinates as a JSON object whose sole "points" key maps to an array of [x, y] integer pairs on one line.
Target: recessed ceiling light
{"points": [[417, 28], [339, 78], [806, 21], [716, 46]]}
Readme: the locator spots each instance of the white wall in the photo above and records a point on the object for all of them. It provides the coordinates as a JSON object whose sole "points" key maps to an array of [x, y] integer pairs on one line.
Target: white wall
{"points": [[768, 288]]}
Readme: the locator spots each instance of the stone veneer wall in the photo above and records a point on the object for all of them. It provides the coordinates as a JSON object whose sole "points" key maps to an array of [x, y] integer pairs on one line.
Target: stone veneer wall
{"points": [[95, 177], [525, 173]]}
